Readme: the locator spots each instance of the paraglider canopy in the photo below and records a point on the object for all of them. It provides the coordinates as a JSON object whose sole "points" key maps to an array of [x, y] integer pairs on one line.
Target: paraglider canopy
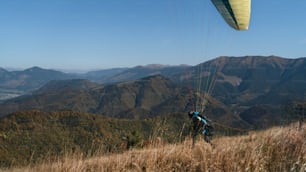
{"points": [[235, 12]]}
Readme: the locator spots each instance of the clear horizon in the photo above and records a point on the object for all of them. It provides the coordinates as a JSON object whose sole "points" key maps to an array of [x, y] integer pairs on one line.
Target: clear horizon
{"points": [[82, 71], [86, 35]]}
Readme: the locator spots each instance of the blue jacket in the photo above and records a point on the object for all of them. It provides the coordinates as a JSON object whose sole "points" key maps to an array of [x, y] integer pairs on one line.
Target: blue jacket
{"points": [[197, 116]]}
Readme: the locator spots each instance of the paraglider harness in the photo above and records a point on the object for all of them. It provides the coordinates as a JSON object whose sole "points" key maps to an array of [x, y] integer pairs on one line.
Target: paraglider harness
{"points": [[201, 125]]}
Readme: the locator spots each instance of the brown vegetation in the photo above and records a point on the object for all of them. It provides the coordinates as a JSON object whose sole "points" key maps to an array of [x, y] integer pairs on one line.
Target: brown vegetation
{"points": [[276, 149]]}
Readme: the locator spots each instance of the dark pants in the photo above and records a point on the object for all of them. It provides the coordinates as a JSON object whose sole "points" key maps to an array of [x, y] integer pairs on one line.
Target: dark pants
{"points": [[197, 126]]}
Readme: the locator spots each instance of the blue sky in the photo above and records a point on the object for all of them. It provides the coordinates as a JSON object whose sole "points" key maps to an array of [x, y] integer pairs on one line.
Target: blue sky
{"points": [[96, 34]]}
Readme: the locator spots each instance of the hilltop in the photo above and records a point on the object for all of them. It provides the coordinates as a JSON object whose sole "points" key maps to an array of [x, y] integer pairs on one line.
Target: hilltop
{"points": [[276, 149]]}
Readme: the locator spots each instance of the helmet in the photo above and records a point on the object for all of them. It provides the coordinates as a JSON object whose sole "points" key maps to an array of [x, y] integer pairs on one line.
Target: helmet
{"points": [[190, 113]]}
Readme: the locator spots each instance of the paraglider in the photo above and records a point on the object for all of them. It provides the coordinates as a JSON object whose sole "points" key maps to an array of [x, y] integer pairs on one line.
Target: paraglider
{"points": [[235, 12]]}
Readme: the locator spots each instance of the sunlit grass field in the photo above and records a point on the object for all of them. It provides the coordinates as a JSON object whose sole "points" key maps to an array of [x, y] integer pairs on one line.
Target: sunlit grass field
{"points": [[276, 149]]}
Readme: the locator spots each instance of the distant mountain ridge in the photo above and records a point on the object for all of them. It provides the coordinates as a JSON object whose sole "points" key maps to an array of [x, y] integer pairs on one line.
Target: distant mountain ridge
{"points": [[147, 97], [263, 75], [243, 86], [35, 77], [29, 79], [16, 83], [144, 71]]}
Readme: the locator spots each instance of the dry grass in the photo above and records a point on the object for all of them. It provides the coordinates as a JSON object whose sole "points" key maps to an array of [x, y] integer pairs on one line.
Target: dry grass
{"points": [[276, 149]]}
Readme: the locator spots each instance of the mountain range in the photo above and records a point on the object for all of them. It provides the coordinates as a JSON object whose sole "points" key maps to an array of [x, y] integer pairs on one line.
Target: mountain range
{"points": [[242, 91], [31, 79], [45, 114]]}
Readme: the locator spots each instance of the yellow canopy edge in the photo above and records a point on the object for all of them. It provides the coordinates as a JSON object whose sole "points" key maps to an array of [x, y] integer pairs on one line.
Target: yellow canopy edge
{"points": [[235, 12]]}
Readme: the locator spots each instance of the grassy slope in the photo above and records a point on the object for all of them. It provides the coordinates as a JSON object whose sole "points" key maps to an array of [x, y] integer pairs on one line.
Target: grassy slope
{"points": [[33, 136], [276, 149]]}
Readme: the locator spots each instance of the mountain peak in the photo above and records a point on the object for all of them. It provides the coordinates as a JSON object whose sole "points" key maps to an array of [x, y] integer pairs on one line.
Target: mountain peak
{"points": [[248, 61], [34, 69]]}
